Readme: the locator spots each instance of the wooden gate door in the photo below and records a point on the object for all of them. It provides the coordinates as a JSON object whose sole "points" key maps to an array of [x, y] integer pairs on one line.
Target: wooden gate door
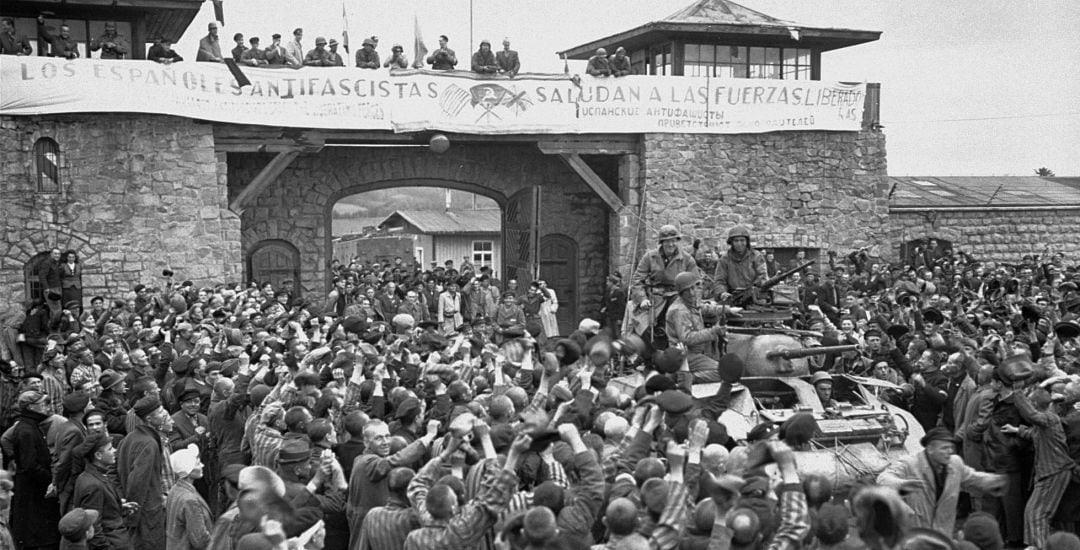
{"points": [[276, 262], [520, 236], [558, 266]]}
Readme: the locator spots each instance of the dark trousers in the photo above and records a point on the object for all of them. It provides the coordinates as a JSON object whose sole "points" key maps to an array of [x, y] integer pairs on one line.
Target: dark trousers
{"points": [[1009, 508]]}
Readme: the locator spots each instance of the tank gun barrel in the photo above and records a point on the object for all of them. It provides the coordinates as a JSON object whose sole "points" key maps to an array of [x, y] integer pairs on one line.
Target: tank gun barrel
{"points": [[795, 353]]}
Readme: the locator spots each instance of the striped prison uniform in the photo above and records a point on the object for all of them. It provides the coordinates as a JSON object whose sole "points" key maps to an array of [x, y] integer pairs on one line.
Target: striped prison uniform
{"points": [[1053, 469]]}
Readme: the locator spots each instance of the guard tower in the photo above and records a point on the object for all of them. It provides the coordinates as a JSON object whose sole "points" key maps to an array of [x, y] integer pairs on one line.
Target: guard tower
{"points": [[719, 38], [141, 21]]}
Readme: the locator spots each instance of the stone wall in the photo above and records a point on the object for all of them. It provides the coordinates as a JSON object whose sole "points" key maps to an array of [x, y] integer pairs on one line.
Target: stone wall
{"points": [[138, 193], [822, 190], [1000, 235], [297, 206]]}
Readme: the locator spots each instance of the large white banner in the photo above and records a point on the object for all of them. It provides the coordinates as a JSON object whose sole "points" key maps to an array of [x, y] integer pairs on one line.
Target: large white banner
{"points": [[415, 100]]}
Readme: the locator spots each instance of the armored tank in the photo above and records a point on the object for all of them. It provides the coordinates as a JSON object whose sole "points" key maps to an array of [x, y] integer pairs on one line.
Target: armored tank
{"points": [[857, 438]]}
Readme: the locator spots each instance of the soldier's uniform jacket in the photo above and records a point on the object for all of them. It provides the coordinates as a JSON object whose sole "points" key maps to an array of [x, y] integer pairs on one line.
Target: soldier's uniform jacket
{"points": [[685, 325], [734, 273], [659, 271]]}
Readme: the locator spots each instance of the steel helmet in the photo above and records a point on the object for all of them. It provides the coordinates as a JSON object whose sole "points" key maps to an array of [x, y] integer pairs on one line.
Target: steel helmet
{"points": [[668, 232], [739, 231], [685, 280]]}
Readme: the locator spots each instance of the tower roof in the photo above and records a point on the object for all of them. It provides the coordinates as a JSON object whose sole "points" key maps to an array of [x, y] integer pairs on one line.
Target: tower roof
{"points": [[712, 21]]}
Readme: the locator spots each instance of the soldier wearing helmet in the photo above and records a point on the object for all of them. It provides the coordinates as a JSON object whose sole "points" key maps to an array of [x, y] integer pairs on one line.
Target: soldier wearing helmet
{"points": [[652, 286], [684, 325], [740, 267]]}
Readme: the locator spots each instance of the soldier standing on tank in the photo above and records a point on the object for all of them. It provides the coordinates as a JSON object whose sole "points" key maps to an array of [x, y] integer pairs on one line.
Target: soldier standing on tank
{"points": [[652, 286], [740, 267]]}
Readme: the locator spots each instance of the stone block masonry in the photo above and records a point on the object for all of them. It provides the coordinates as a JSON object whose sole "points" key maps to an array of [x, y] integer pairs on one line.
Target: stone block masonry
{"points": [[998, 235], [138, 193], [823, 190]]}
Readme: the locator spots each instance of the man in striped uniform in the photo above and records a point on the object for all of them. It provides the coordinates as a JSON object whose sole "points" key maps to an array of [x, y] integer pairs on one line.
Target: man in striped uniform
{"points": [[1053, 465]]}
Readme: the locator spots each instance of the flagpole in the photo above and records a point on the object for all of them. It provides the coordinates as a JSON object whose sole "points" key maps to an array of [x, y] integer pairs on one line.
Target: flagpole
{"points": [[470, 27]]}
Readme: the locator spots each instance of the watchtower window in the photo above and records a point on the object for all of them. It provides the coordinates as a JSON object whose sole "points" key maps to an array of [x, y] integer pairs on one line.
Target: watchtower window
{"points": [[47, 165]]}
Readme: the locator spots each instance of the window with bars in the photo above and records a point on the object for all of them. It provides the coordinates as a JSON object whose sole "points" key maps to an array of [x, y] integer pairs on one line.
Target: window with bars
{"points": [[47, 165]]}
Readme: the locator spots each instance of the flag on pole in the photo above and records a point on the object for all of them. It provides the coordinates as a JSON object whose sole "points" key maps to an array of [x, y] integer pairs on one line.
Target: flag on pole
{"points": [[418, 44], [344, 27], [219, 11]]}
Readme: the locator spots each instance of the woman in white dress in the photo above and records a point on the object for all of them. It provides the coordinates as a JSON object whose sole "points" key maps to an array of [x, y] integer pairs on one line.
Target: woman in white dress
{"points": [[548, 308]]}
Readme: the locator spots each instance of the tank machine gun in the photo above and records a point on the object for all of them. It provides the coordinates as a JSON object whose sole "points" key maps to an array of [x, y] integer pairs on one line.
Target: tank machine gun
{"points": [[748, 297]]}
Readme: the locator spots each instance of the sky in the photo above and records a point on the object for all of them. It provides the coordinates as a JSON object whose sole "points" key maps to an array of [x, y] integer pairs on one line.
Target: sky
{"points": [[969, 87]]}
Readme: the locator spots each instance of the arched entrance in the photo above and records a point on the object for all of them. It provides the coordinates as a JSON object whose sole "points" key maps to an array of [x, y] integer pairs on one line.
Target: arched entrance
{"points": [[277, 262], [519, 223], [558, 266]]}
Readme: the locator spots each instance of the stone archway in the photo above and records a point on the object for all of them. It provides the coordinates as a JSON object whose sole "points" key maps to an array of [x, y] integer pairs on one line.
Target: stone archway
{"points": [[297, 206]]}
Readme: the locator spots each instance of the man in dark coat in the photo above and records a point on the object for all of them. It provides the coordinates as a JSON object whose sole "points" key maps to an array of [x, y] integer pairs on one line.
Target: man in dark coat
{"points": [[931, 390], [191, 427], [33, 516], [94, 490], [49, 273], [483, 61], [10, 43], [142, 467], [68, 436], [507, 60]]}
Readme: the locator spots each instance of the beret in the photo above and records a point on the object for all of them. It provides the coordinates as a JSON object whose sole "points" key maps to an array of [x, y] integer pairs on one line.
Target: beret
{"points": [[669, 360], [675, 402], [658, 384], [932, 315], [502, 436], [354, 324], [182, 364], [306, 378], [799, 429], [147, 405], [410, 406], [730, 367], [762, 431], [571, 351]]}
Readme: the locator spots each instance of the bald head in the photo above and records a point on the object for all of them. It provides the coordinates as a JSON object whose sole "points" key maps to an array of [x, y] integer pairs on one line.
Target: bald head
{"points": [[621, 517], [714, 458], [648, 468], [441, 501], [615, 428]]}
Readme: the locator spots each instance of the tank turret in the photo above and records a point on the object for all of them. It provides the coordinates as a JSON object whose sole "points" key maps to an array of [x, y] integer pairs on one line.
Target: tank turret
{"points": [[777, 353]]}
